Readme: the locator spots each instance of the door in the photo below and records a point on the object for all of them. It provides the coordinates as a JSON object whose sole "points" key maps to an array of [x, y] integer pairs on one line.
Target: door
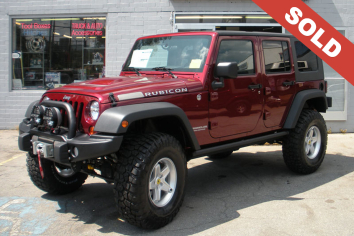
{"points": [[278, 79], [236, 108]]}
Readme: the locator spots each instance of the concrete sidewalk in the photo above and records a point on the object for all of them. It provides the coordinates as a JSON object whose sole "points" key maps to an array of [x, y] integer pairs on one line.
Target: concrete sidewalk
{"points": [[250, 193]]}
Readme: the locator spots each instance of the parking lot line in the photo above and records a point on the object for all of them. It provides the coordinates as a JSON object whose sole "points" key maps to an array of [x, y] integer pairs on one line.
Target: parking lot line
{"points": [[12, 158]]}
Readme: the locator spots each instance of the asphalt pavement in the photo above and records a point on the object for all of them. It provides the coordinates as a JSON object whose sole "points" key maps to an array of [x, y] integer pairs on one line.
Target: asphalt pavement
{"points": [[249, 193]]}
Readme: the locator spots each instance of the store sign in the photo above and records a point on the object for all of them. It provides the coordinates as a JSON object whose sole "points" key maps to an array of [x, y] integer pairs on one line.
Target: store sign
{"points": [[35, 29], [313, 31], [87, 29], [35, 26]]}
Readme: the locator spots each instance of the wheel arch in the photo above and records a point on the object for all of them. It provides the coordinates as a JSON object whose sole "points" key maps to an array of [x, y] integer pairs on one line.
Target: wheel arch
{"points": [[157, 116], [311, 99]]}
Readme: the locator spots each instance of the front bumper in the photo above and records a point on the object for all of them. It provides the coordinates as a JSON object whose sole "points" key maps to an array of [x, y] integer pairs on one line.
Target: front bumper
{"points": [[65, 148], [62, 150]]}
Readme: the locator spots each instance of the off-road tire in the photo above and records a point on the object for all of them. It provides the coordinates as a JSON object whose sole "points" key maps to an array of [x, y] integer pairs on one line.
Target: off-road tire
{"points": [[138, 155], [221, 155], [294, 151], [52, 182]]}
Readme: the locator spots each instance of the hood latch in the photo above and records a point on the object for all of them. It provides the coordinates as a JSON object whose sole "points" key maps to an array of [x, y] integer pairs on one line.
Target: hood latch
{"points": [[112, 100]]}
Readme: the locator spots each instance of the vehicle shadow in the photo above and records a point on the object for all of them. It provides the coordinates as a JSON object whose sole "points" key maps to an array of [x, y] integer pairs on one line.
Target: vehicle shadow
{"points": [[216, 191]]}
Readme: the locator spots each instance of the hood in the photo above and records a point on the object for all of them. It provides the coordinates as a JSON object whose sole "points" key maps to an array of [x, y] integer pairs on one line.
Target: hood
{"points": [[126, 88]]}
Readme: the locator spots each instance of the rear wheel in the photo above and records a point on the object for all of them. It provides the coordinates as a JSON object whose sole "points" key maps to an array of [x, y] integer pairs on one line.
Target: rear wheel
{"points": [[150, 180], [305, 147], [58, 179]]}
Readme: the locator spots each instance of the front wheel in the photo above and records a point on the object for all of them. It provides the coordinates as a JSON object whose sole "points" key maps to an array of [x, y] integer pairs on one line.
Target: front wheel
{"points": [[305, 147], [150, 180], [58, 179]]}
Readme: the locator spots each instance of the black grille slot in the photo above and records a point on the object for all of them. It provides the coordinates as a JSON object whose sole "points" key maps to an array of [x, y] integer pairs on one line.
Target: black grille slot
{"points": [[79, 116]]}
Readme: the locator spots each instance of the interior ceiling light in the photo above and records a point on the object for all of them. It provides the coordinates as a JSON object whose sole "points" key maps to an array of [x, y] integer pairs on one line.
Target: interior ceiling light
{"points": [[258, 17], [56, 33], [20, 20], [208, 17], [60, 19], [67, 36], [95, 18]]}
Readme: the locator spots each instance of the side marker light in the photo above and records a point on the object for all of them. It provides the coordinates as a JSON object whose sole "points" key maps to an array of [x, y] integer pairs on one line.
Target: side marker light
{"points": [[125, 124]]}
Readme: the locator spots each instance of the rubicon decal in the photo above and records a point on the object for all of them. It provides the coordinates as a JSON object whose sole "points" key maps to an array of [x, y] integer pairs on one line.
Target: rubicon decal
{"points": [[166, 92], [313, 31]]}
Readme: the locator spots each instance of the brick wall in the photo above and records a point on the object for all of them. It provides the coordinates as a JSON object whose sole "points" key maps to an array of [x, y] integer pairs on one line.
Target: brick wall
{"points": [[127, 20]]}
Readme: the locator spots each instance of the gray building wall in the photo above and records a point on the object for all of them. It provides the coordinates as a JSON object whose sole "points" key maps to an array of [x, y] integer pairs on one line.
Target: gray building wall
{"points": [[345, 9], [127, 20]]}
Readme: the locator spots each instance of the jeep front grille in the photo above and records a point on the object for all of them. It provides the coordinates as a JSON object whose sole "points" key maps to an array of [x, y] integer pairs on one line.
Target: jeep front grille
{"points": [[78, 110]]}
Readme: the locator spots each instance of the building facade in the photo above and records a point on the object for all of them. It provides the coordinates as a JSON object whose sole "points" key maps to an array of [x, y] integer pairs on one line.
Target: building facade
{"points": [[46, 44]]}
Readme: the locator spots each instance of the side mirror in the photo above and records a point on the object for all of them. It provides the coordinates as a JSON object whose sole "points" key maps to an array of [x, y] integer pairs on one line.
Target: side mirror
{"points": [[226, 70]]}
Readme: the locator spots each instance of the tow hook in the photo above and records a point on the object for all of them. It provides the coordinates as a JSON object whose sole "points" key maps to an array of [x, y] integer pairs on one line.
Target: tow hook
{"points": [[39, 151]]}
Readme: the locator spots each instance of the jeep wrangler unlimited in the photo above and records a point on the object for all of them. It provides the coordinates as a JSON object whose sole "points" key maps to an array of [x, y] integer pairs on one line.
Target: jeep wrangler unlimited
{"points": [[179, 96]]}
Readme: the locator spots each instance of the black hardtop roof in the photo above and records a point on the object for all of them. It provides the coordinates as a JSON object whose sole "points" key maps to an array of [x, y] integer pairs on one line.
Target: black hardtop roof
{"points": [[244, 33]]}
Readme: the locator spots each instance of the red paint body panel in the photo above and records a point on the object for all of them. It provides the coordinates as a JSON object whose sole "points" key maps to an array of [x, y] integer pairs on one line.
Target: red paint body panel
{"points": [[212, 113]]}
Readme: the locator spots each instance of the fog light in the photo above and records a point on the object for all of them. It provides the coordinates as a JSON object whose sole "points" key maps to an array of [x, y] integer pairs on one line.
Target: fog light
{"points": [[37, 114], [38, 120], [52, 117]]}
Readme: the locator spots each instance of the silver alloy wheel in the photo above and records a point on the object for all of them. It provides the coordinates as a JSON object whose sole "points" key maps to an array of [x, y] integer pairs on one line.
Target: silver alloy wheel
{"points": [[162, 182], [64, 172], [312, 142]]}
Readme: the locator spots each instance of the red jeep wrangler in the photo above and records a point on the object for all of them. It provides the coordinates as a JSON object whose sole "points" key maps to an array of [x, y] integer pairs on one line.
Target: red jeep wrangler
{"points": [[179, 96]]}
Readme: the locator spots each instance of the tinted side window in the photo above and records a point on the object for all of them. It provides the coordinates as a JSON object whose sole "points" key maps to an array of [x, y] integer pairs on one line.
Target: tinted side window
{"points": [[306, 59], [276, 56], [239, 51]]}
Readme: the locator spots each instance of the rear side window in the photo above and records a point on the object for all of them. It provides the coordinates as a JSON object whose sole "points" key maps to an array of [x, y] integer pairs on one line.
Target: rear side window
{"points": [[306, 59], [239, 51], [276, 57]]}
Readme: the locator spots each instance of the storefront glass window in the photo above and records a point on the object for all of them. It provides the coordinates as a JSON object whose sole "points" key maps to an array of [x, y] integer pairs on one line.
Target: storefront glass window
{"points": [[51, 52]]}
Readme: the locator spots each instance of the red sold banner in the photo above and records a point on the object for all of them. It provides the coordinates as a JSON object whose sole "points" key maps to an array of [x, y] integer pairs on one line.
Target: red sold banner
{"points": [[313, 31]]}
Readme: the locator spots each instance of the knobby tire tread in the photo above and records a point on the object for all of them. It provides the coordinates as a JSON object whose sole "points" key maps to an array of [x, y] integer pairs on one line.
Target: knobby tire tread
{"points": [[134, 155], [293, 144], [52, 183]]}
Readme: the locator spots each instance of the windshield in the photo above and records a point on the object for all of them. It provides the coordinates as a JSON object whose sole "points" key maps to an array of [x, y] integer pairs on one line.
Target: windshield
{"points": [[177, 53]]}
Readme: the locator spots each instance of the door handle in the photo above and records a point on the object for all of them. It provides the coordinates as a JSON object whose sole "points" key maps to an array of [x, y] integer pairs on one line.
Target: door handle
{"points": [[254, 86], [288, 83]]}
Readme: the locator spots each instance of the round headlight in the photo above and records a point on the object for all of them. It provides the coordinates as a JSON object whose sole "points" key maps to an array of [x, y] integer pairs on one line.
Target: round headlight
{"points": [[94, 110], [37, 114], [45, 98], [52, 117]]}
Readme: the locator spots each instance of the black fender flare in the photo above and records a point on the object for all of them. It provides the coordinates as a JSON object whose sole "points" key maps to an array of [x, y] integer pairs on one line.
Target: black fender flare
{"points": [[298, 104], [110, 120]]}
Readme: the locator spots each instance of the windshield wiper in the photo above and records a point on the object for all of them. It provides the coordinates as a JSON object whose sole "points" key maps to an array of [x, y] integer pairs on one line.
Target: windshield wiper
{"points": [[165, 69], [136, 70]]}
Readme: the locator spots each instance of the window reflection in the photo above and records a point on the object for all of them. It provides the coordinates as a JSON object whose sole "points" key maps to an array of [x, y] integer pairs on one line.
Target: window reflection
{"points": [[51, 52]]}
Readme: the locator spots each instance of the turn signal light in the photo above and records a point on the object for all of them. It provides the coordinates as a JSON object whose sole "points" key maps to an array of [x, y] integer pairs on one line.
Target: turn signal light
{"points": [[125, 124], [91, 132], [90, 167]]}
